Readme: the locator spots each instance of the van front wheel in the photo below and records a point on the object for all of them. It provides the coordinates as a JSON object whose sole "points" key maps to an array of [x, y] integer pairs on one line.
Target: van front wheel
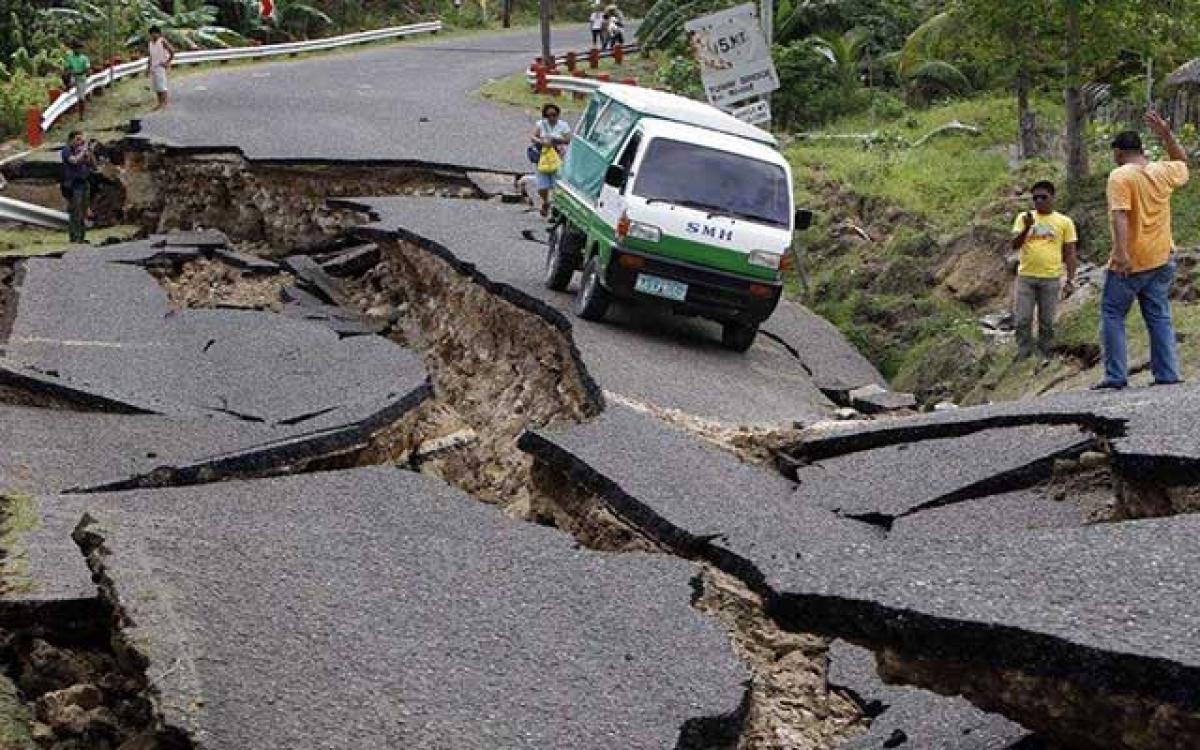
{"points": [[738, 336], [560, 265], [592, 300]]}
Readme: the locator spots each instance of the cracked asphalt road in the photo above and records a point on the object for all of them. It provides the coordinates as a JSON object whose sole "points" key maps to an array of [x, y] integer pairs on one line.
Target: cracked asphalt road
{"points": [[660, 359]]}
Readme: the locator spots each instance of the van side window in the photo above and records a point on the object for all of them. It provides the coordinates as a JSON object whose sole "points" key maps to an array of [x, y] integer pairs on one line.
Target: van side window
{"points": [[589, 116], [630, 152], [611, 127]]}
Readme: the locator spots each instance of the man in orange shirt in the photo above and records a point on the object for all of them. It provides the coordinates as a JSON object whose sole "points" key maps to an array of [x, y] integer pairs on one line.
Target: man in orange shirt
{"points": [[1142, 266]]}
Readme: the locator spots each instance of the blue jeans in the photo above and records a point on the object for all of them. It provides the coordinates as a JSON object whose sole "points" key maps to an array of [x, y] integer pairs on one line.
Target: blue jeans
{"points": [[1150, 289]]}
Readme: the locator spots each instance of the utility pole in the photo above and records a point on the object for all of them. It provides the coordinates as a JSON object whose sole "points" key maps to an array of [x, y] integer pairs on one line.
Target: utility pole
{"points": [[506, 19], [544, 9]]}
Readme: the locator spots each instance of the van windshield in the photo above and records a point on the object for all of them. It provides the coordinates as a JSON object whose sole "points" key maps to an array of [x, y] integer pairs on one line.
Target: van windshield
{"points": [[719, 182]]}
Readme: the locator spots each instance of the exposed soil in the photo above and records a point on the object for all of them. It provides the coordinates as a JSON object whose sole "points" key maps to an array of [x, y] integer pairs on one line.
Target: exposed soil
{"points": [[496, 368], [277, 204], [8, 296], [42, 192], [791, 704], [211, 283]]}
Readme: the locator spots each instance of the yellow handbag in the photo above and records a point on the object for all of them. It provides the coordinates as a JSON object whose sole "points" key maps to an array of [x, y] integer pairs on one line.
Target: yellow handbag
{"points": [[549, 162]]}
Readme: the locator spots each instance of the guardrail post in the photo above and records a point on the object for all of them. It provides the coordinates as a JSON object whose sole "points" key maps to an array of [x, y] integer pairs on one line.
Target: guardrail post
{"points": [[594, 58], [53, 94], [629, 81], [603, 77], [539, 78], [619, 54], [33, 126], [571, 60], [577, 95]]}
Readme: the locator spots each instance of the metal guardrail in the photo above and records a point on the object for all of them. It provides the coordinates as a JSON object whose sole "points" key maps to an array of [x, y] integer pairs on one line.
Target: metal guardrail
{"points": [[107, 77], [29, 213], [573, 83]]}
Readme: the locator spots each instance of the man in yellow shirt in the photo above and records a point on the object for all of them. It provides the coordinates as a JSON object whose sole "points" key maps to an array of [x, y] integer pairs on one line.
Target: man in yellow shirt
{"points": [[1046, 240], [1141, 267]]}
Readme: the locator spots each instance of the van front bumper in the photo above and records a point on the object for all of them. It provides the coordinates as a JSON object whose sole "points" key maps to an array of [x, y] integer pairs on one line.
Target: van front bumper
{"points": [[719, 295]]}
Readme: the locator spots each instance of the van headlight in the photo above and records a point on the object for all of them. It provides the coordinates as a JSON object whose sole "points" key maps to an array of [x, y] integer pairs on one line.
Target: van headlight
{"points": [[646, 232], [764, 259]]}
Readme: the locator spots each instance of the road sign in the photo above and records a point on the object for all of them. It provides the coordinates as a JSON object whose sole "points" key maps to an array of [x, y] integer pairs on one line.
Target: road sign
{"points": [[755, 113], [735, 61]]}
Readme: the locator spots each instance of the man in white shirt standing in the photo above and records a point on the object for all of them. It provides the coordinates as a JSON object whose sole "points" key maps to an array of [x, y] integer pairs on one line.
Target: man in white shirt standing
{"points": [[597, 22], [161, 55]]}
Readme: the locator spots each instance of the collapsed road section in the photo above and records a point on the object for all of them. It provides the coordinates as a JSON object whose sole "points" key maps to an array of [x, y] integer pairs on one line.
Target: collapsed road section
{"points": [[267, 458]]}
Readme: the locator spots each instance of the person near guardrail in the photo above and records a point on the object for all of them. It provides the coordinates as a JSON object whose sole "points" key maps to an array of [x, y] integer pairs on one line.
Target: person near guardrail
{"points": [[597, 23], [161, 54], [616, 26], [78, 165], [551, 133], [75, 74]]}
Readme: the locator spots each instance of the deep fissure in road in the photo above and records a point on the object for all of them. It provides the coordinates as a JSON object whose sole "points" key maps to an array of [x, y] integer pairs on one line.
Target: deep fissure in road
{"points": [[500, 363]]}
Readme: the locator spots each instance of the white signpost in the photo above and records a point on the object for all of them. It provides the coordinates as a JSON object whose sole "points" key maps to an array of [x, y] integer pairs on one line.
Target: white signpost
{"points": [[755, 113], [734, 57]]}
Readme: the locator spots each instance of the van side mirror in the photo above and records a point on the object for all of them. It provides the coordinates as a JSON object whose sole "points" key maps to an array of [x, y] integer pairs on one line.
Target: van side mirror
{"points": [[804, 219], [615, 176]]}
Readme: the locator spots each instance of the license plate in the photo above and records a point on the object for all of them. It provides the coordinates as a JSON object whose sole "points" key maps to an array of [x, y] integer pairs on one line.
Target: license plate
{"points": [[675, 290]]}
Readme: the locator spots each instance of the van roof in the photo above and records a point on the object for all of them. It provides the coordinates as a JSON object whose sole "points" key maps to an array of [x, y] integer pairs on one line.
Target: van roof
{"points": [[680, 109], [656, 128]]}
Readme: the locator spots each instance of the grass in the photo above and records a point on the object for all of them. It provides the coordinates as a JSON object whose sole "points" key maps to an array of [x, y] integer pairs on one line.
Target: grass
{"points": [[947, 181], [20, 516], [916, 336], [515, 89], [28, 243], [16, 720]]}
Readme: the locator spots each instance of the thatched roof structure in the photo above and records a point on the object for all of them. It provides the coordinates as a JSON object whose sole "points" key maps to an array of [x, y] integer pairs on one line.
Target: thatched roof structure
{"points": [[1187, 74]]}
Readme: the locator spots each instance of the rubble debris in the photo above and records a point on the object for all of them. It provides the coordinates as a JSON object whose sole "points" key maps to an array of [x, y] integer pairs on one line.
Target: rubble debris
{"points": [[310, 272], [875, 399], [216, 283], [354, 261]]}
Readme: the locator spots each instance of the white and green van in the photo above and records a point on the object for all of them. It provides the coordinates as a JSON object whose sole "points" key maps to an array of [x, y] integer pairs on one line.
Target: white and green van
{"points": [[667, 200]]}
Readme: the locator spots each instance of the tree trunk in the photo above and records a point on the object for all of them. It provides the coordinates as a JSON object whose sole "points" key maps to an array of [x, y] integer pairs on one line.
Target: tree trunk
{"points": [[1077, 160], [544, 8], [1026, 126]]}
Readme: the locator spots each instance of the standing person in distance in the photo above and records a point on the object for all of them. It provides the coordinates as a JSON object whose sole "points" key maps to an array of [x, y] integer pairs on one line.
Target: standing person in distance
{"points": [[78, 164], [1142, 265], [75, 74], [550, 132], [1046, 240], [596, 22], [616, 26], [161, 54]]}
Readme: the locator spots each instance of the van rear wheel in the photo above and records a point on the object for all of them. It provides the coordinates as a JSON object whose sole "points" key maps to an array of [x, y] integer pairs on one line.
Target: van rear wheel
{"points": [[591, 303], [560, 262], [738, 336]]}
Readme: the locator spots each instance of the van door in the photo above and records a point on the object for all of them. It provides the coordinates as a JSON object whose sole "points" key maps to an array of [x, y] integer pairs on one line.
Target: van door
{"points": [[612, 200]]}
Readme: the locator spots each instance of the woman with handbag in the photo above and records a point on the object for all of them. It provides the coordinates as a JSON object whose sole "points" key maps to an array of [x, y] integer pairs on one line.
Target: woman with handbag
{"points": [[551, 136]]}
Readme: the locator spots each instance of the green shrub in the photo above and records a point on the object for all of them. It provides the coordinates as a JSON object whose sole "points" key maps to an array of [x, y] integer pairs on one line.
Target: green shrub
{"points": [[20, 92], [681, 75], [810, 92]]}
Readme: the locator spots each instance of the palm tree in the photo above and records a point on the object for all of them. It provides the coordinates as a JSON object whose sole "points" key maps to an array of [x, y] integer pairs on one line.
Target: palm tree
{"points": [[845, 53]]}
